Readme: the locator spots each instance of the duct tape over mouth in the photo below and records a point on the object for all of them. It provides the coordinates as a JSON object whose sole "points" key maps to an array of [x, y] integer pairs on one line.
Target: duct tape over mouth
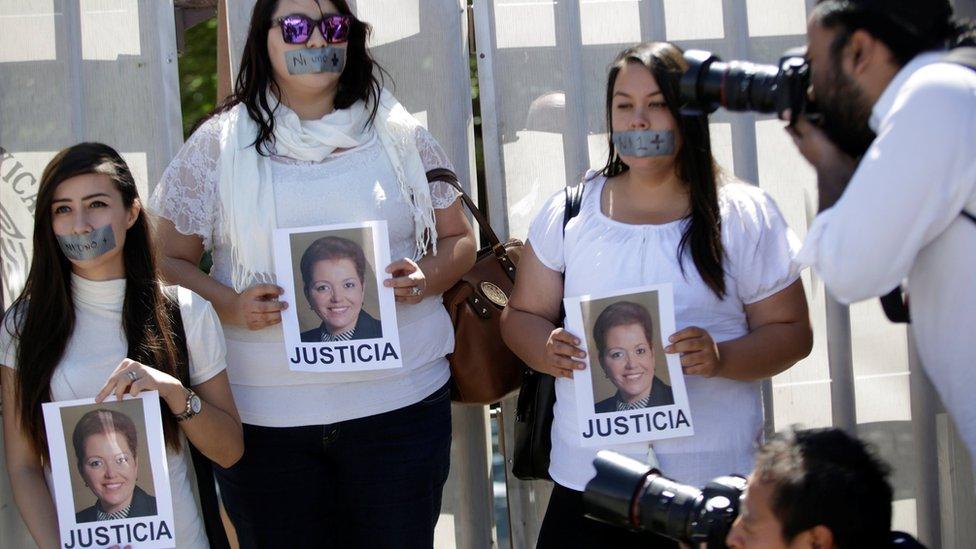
{"points": [[316, 60], [81, 247], [644, 143]]}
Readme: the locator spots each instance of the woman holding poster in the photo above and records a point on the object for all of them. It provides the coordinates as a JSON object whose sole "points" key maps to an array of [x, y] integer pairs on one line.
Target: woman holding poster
{"points": [[90, 321], [659, 212], [310, 138]]}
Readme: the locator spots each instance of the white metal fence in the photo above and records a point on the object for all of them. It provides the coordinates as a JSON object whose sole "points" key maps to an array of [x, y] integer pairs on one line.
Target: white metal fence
{"points": [[73, 70]]}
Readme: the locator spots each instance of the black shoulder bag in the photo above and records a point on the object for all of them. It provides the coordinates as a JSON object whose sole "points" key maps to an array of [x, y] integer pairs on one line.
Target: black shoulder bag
{"points": [[202, 466], [534, 409], [894, 302]]}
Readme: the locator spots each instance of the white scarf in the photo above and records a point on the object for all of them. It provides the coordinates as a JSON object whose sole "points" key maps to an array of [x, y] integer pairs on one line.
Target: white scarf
{"points": [[246, 190]]}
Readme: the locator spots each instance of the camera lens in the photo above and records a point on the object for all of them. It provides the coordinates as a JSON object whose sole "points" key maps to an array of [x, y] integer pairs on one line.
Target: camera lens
{"points": [[709, 83], [629, 494], [750, 87], [668, 507], [610, 495]]}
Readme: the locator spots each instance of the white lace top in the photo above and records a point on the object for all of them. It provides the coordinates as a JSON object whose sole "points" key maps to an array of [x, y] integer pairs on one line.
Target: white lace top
{"points": [[354, 185]]}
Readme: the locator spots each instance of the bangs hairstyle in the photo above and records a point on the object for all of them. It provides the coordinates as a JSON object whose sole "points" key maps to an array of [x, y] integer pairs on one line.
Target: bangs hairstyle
{"points": [[358, 80], [103, 422], [332, 248], [694, 164], [43, 315], [622, 313]]}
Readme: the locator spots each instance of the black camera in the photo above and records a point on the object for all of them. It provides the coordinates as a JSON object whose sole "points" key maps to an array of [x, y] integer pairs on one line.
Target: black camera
{"points": [[710, 83], [628, 493]]}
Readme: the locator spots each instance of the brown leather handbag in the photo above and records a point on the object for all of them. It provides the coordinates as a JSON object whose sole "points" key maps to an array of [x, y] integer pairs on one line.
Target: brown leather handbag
{"points": [[483, 369]]}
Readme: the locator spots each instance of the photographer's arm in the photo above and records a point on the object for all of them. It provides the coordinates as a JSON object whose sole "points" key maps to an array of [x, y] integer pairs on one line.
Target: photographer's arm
{"points": [[834, 167], [779, 336], [909, 187]]}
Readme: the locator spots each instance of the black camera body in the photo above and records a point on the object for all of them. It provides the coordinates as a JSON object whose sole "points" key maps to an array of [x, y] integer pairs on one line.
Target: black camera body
{"points": [[629, 494], [710, 83]]}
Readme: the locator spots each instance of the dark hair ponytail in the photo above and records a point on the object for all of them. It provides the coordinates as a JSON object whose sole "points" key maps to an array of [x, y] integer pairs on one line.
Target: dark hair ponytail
{"points": [[694, 163]]}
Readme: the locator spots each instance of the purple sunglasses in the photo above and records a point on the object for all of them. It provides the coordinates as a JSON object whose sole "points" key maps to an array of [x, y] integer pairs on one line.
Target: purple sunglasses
{"points": [[297, 28]]}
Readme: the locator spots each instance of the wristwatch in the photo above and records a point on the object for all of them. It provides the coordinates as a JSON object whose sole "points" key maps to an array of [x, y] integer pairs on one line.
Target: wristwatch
{"points": [[193, 406]]}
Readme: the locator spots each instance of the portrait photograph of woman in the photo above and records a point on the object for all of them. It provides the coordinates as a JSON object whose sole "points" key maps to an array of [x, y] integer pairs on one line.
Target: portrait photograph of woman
{"points": [[106, 447], [333, 271], [345, 317], [626, 353], [630, 389], [108, 466]]}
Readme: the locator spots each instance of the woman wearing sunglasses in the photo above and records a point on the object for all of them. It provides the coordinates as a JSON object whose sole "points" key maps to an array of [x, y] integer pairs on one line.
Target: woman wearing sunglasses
{"points": [[308, 138], [660, 212]]}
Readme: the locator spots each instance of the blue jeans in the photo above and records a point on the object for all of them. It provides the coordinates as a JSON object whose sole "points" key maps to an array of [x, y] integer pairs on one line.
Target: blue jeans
{"points": [[369, 482]]}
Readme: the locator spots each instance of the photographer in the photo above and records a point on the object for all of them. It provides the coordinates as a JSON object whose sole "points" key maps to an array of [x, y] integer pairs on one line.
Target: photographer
{"points": [[816, 488], [897, 175]]}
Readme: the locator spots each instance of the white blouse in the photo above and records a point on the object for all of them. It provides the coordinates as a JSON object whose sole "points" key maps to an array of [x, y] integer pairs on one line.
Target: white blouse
{"points": [[96, 348], [601, 255], [354, 185]]}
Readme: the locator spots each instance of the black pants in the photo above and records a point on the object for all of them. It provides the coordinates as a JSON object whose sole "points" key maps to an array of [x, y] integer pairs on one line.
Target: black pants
{"points": [[371, 482], [566, 526]]}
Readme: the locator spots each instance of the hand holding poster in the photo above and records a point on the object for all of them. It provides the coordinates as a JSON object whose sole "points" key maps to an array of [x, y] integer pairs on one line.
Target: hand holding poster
{"points": [[342, 317], [631, 390], [111, 478]]}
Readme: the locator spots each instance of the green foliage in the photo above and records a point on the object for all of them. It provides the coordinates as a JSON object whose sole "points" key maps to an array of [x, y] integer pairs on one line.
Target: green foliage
{"points": [[198, 73], [198, 84]]}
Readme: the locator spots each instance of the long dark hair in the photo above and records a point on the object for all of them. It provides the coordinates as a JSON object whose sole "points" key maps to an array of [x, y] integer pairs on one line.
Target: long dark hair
{"points": [[357, 81], [694, 163], [44, 313]]}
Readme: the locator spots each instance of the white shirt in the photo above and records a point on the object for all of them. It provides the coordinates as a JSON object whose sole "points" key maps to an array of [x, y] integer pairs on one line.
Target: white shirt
{"points": [[602, 255], [900, 217], [96, 348], [350, 186]]}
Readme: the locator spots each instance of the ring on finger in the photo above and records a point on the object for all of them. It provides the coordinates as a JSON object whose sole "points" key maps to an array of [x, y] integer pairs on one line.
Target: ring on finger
{"points": [[132, 375], [415, 291]]}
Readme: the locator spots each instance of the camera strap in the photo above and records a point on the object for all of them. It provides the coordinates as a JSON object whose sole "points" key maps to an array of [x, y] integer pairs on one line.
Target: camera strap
{"points": [[894, 302]]}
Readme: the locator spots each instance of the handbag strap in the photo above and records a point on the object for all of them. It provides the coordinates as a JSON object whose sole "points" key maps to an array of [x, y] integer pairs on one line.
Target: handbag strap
{"points": [[202, 466], [498, 249], [574, 202], [447, 176]]}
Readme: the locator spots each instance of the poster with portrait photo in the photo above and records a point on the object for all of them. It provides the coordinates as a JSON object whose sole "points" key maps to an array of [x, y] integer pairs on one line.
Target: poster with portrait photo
{"points": [[341, 318], [631, 391], [111, 479]]}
